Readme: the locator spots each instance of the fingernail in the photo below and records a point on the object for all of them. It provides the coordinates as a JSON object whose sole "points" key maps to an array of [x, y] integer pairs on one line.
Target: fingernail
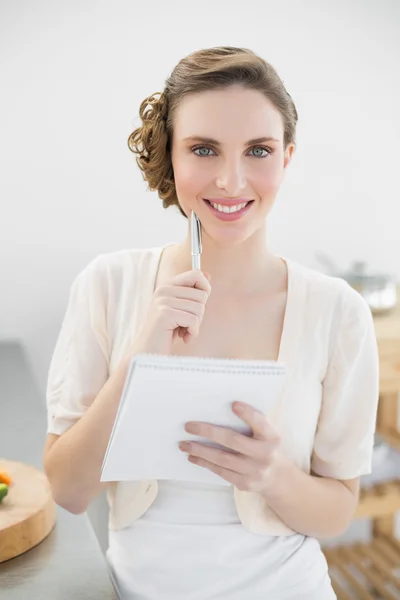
{"points": [[185, 446]]}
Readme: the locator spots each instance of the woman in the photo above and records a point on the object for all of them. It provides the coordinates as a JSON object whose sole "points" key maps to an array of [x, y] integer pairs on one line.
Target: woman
{"points": [[218, 141]]}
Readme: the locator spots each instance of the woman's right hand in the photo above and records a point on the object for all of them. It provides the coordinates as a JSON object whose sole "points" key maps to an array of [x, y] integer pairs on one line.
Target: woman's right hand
{"points": [[176, 309]]}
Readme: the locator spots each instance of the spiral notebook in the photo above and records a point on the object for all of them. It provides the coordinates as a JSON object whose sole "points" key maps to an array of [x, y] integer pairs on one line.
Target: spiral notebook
{"points": [[162, 393]]}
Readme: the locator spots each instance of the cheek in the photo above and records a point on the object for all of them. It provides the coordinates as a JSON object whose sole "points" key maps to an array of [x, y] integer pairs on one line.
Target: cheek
{"points": [[190, 179], [267, 181]]}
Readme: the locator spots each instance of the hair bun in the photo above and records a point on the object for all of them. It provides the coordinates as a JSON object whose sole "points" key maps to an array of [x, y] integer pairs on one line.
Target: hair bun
{"points": [[154, 107]]}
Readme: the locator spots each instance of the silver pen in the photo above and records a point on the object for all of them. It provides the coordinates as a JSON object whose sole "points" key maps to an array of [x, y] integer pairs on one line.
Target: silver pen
{"points": [[195, 239]]}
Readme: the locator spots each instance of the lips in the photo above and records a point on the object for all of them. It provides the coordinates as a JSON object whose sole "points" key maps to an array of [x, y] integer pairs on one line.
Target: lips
{"points": [[230, 216], [228, 201]]}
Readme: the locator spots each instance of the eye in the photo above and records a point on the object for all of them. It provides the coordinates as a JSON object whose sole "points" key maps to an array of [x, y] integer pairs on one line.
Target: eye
{"points": [[198, 150], [258, 151]]}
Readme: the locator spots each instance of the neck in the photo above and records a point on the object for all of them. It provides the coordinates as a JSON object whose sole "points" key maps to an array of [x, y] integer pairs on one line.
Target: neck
{"points": [[235, 268]]}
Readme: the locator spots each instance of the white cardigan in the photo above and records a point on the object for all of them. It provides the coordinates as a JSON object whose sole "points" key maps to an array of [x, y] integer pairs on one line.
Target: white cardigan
{"points": [[327, 411]]}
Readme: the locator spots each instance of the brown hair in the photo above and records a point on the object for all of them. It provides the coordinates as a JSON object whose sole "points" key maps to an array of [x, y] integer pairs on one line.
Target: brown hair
{"points": [[213, 68]]}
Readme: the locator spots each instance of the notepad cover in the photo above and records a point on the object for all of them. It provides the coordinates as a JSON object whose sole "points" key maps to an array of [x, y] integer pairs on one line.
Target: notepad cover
{"points": [[162, 393]]}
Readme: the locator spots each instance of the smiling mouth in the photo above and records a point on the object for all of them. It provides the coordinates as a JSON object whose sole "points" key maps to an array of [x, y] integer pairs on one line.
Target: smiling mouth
{"points": [[223, 208]]}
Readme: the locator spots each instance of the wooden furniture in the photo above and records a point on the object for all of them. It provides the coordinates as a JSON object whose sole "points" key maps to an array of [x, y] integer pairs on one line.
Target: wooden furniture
{"points": [[27, 513], [372, 571]]}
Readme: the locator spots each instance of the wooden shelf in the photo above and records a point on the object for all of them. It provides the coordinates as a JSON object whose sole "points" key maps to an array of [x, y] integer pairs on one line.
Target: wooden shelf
{"points": [[379, 501], [389, 368], [366, 571]]}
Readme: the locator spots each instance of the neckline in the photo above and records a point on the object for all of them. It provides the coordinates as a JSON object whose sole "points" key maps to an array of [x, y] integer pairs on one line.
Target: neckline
{"points": [[287, 317], [291, 303]]}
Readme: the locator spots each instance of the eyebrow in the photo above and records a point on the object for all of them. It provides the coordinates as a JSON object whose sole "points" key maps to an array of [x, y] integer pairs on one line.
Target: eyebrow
{"points": [[207, 140]]}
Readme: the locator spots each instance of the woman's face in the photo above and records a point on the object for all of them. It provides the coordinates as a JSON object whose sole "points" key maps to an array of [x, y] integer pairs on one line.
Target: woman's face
{"points": [[227, 149]]}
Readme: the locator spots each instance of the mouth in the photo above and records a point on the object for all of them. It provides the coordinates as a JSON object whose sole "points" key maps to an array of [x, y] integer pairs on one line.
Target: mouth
{"points": [[229, 213]]}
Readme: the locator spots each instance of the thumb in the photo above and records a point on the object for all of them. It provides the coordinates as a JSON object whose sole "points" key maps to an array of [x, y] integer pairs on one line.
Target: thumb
{"points": [[208, 276]]}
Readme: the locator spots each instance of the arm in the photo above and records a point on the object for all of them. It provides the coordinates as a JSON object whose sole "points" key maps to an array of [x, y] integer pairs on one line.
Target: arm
{"points": [[73, 460], [321, 507], [323, 503], [81, 396]]}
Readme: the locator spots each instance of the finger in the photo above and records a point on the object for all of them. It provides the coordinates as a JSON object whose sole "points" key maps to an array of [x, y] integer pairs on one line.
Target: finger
{"points": [[224, 436], [186, 306], [230, 476], [233, 462], [187, 337], [181, 318], [258, 422], [194, 278], [183, 292]]}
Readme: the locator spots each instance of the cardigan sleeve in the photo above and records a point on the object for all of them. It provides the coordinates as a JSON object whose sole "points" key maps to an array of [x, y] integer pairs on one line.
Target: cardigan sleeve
{"points": [[344, 438], [79, 365]]}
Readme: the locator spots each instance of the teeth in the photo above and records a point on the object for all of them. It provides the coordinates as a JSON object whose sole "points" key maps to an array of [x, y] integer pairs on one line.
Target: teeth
{"points": [[228, 209]]}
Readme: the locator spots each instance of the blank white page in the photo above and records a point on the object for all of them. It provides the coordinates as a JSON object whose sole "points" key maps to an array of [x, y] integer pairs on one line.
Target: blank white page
{"points": [[162, 393]]}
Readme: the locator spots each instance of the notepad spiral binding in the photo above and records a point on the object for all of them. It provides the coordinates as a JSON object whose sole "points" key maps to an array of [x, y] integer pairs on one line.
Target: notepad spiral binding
{"points": [[191, 363]]}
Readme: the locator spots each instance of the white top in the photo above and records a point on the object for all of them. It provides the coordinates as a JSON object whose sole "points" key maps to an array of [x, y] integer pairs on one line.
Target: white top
{"points": [[326, 414], [191, 545]]}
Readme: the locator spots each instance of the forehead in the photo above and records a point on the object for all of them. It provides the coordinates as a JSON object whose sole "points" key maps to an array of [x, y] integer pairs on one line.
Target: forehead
{"points": [[227, 113]]}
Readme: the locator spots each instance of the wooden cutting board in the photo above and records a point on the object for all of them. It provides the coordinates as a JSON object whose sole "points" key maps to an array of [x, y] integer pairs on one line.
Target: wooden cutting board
{"points": [[27, 513]]}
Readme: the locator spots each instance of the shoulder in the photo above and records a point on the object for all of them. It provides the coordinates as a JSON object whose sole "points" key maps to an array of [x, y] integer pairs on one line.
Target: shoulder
{"points": [[112, 268], [323, 290], [332, 312]]}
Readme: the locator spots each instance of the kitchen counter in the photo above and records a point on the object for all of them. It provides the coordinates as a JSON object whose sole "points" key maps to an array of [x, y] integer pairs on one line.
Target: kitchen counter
{"points": [[69, 562]]}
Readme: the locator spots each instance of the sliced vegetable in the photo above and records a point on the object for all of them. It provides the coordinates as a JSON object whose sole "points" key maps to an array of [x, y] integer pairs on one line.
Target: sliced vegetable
{"points": [[3, 491], [5, 477]]}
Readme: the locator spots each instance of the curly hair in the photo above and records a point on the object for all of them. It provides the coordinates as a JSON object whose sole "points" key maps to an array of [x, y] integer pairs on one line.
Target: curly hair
{"points": [[208, 69]]}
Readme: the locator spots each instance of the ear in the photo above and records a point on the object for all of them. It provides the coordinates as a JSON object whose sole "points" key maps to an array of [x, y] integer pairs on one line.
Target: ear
{"points": [[288, 154]]}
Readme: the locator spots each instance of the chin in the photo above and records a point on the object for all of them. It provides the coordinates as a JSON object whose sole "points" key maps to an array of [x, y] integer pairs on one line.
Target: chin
{"points": [[225, 236]]}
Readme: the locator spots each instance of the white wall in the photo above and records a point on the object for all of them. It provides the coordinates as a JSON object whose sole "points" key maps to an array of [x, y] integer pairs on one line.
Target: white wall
{"points": [[72, 78]]}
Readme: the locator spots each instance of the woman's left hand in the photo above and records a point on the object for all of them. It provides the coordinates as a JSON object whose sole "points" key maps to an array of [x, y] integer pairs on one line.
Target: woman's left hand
{"points": [[252, 464]]}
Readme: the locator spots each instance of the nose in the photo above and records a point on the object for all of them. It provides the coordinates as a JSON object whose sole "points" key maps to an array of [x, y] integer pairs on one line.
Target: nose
{"points": [[231, 177]]}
